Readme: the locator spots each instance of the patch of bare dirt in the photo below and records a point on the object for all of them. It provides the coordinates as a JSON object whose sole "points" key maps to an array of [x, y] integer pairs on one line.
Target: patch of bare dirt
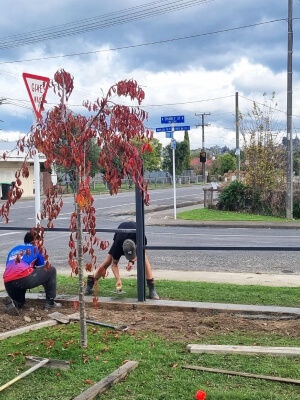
{"points": [[171, 325]]}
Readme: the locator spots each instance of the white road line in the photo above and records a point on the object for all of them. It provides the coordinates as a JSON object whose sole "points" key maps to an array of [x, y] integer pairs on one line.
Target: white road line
{"points": [[8, 233]]}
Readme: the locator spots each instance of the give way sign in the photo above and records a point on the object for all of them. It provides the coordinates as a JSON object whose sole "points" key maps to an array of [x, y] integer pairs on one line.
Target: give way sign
{"points": [[37, 87]]}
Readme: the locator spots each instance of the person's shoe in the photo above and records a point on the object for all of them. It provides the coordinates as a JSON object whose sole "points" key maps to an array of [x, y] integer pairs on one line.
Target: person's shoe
{"points": [[89, 289], [11, 308], [50, 303], [152, 292]]}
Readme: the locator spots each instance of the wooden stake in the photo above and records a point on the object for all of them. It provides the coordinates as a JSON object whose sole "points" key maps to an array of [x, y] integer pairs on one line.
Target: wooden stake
{"points": [[244, 374], [108, 382]]}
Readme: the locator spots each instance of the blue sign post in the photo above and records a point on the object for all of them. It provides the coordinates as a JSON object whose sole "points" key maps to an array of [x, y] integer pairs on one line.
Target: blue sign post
{"points": [[176, 119], [182, 128], [164, 129], [176, 128]]}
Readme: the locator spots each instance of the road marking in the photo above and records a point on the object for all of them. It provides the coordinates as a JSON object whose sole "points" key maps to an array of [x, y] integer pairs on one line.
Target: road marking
{"points": [[8, 233]]}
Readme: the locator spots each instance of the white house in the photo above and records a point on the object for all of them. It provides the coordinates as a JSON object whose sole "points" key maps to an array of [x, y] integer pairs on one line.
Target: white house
{"points": [[12, 163]]}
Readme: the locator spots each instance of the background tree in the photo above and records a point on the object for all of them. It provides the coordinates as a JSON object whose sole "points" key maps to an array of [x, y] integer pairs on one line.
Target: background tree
{"points": [[264, 159], [64, 140], [152, 159], [180, 157], [222, 164], [187, 161]]}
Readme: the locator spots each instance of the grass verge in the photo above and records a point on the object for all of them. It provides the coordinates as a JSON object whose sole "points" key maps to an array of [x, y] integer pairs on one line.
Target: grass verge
{"points": [[207, 214], [195, 291], [159, 375]]}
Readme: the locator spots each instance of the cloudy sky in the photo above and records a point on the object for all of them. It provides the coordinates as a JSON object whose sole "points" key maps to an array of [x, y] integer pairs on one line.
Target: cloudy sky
{"points": [[190, 56]]}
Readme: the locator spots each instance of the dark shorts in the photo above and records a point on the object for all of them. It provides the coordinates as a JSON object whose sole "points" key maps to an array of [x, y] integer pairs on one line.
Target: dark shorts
{"points": [[116, 250], [17, 288]]}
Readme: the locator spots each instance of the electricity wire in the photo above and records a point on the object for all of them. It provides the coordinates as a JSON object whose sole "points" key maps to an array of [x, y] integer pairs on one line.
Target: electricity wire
{"points": [[145, 44], [99, 22]]}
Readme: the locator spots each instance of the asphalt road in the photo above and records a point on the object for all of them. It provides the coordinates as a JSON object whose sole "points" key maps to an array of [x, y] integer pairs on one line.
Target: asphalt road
{"points": [[113, 210]]}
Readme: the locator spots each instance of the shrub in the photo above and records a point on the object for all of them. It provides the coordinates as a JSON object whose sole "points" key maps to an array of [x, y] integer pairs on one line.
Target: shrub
{"points": [[296, 209], [234, 197]]}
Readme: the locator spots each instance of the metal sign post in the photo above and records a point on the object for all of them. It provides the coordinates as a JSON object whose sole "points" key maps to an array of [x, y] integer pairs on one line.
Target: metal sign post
{"points": [[173, 143], [170, 134], [37, 87]]}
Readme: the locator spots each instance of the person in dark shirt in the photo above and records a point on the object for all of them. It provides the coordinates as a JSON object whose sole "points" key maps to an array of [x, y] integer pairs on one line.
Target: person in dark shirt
{"points": [[123, 244], [25, 269]]}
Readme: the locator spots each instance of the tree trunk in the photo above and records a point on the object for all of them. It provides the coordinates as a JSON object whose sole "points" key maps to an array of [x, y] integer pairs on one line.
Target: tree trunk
{"points": [[83, 331]]}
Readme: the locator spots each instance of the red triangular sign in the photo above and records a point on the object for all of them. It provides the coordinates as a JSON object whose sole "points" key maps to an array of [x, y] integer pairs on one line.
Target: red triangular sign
{"points": [[37, 87]]}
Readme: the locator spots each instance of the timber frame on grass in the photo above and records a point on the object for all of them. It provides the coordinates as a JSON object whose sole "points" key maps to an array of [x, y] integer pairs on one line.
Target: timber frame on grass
{"points": [[100, 387]]}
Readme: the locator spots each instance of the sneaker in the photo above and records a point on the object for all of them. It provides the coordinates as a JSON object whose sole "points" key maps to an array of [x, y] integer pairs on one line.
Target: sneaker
{"points": [[51, 304], [152, 294], [11, 308], [89, 289]]}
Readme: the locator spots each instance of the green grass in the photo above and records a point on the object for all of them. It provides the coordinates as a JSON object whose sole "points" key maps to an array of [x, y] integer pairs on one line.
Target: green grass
{"points": [[195, 291], [159, 375], [206, 214]]}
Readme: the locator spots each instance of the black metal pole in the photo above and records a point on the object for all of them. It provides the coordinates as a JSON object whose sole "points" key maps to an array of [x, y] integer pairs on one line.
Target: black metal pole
{"points": [[140, 243]]}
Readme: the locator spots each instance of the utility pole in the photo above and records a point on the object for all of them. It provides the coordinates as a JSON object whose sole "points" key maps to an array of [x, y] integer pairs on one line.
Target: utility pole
{"points": [[203, 143], [289, 170], [237, 134]]}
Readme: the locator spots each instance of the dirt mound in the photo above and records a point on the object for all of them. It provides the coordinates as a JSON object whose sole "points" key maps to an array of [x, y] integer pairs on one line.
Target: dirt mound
{"points": [[171, 325]]}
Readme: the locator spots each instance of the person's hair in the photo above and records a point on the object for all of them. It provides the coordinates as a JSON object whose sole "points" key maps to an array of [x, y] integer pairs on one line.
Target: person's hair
{"points": [[29, 238]]}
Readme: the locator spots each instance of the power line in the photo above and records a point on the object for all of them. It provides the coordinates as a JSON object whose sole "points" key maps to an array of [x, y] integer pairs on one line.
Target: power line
{"points": [[146, 44], [99, 22], [271, 108]]}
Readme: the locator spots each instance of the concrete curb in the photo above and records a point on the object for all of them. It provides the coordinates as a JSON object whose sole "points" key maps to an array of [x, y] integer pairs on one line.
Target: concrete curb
{"points": [[120, 304]]}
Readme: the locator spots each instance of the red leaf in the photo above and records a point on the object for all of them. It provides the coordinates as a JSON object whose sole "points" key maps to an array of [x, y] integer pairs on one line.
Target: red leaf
{"points": [[76, 305], [88, 381]]}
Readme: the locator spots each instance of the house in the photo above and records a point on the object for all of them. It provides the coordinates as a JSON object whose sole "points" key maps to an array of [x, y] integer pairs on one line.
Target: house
{"points": [[12, 163]]}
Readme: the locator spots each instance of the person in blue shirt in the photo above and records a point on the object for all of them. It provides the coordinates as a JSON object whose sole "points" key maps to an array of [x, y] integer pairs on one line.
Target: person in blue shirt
{"points": [[25, 269]]}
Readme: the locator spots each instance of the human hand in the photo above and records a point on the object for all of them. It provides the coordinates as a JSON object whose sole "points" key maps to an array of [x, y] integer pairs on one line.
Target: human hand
{"points": [[129, 266], [119, 285]]}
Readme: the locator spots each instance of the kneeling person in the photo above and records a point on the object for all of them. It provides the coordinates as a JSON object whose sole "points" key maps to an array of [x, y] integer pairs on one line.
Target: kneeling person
{"points": [[24, 270]]}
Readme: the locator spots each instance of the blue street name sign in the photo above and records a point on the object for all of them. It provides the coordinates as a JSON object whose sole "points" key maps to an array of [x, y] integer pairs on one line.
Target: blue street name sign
{"points": [[165, 129], [182, 128], [169, 135], [176, 128], [176, 119]]}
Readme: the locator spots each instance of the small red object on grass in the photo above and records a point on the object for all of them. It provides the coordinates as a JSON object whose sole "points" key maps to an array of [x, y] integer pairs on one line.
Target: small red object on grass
{"points": [[200, 395]]}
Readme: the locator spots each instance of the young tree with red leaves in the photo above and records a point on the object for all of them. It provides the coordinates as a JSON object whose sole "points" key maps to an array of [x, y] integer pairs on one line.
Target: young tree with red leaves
{"points": [[64, 139]]}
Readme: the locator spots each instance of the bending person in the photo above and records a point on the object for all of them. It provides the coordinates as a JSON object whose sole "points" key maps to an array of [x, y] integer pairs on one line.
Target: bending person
{"points": [[123, 244]]}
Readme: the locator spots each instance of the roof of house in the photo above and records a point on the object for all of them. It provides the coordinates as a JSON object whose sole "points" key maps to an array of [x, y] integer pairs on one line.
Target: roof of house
{"points": [[196, 161], [15, 155]]}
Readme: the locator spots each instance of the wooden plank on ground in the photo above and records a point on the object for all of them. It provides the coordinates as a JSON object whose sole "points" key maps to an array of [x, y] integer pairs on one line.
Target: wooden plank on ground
{"points": [[28, 328], [247, 350], [52, 362], [244, 374], [108, 381]]}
